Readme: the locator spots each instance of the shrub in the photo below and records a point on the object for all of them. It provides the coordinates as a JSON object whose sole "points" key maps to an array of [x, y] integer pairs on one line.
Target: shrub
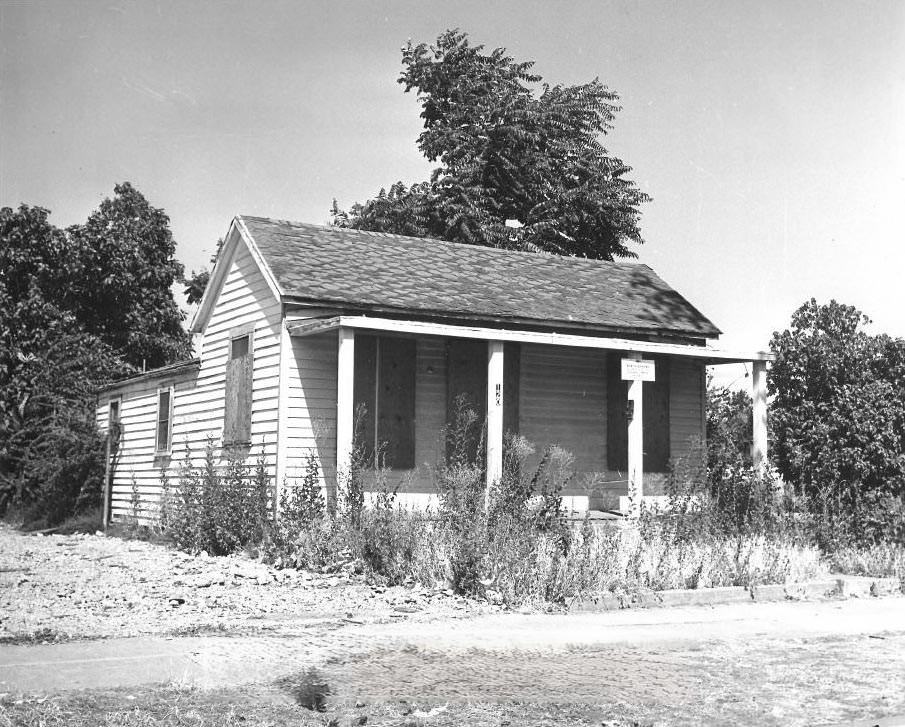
{"points": [[218, 510]]}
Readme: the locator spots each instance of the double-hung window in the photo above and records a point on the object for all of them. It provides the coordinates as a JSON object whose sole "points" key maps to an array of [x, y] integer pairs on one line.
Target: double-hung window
{"points": [[164, 420], [114, 428]]}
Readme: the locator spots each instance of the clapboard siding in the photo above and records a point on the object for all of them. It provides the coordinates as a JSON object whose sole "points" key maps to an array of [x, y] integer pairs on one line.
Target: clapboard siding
{"points": [[311, 409], [562, 401], [686, 406], [245, 300]]}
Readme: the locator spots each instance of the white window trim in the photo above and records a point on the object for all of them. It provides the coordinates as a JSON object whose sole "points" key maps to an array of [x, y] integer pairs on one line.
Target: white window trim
{"points": [[118, 400], [158, 452], [248, 331]]}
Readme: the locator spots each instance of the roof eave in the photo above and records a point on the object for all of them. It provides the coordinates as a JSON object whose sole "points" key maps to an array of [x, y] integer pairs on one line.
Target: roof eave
{"points": [[464, 316]]}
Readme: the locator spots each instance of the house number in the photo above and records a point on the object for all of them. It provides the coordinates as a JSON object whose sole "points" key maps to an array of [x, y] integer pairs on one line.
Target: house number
{"points": [[499, 394]]}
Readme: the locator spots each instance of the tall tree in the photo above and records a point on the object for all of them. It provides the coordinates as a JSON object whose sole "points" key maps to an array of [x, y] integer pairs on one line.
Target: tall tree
{"points": [[50, 450], [839, 406], [521, 162], [124, 295]]}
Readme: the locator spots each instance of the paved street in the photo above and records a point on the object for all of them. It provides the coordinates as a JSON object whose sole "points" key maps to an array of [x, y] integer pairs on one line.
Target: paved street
{"points": [[784, 663]]}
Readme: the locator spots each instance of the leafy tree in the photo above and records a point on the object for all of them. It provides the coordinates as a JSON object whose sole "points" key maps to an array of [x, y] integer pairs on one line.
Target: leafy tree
{"points": [[77, 308], [196, 282], [839, 408], [51, 455], [729, 429], [510, 148], [124, 293]]}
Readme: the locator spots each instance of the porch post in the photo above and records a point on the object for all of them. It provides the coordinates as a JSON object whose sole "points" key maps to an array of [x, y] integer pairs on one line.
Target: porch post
{"points": [[494, 413], [345, 407], [759, 411], [635, 443]]}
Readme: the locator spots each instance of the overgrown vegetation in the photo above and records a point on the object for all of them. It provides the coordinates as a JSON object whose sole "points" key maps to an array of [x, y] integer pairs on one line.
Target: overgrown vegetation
{"points": [[78, 308], [514, 544], [217, 509], [839, 417]]}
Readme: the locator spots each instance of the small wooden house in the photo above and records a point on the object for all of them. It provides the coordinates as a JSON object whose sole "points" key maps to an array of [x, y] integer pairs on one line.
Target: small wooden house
{"points": [[301, 324]]}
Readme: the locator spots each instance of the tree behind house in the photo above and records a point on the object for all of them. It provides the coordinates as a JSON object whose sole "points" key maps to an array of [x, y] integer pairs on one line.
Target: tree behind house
{"points": [[510, 147]]}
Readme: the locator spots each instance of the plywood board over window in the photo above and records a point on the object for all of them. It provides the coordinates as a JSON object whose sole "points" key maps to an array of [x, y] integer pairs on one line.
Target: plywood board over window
{"points": [[655, 414], [384, 399], [239, 376]]}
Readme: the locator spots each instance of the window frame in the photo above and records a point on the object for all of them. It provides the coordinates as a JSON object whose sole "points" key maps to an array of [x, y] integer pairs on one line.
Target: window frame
{"points": [[246, 331], [116, 401], [168, 449]]}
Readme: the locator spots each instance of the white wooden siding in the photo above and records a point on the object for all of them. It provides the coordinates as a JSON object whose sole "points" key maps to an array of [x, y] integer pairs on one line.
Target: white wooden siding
{"points": [[198, 402], [686, 406], [311, 410]]}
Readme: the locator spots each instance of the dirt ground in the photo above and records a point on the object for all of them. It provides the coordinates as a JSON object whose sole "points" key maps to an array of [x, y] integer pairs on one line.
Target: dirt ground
{"points": [[63, 587], [262, 640]]}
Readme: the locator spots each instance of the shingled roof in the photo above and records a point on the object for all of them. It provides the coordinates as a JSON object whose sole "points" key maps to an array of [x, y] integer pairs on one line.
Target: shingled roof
{"points": [[391, 273]]}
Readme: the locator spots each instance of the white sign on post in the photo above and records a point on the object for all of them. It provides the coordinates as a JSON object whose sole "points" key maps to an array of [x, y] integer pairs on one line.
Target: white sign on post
{"points": [[638, 370]]}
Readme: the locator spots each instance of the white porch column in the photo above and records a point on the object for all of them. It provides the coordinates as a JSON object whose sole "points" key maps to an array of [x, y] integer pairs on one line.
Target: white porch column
{"points": [[345, 407], [494, 412], [635, 443], [759, 411]]}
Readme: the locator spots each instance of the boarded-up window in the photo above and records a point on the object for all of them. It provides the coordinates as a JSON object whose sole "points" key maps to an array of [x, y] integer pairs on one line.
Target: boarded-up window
{"points": [[655, 414], [114, 427], [164, 419], [384, 397], [239, 371], [466, 361]]}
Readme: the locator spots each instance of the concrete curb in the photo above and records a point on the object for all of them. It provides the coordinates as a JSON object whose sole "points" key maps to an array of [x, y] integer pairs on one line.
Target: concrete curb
{"points": [[820, 589]]}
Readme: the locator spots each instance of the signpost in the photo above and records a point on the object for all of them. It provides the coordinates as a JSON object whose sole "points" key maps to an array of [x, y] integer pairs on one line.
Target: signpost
{"points": [[636, 370]]}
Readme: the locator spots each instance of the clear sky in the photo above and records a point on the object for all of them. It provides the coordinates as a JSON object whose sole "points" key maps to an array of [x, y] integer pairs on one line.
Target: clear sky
{"points": [[771, 134]]}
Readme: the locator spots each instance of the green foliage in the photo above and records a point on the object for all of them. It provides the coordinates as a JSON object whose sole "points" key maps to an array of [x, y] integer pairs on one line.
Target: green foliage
{"points": [[218, 509], [510, 147], [196, 282], [124, 292], [839, 415], [729, 430], [300, 507], [78, 308]]}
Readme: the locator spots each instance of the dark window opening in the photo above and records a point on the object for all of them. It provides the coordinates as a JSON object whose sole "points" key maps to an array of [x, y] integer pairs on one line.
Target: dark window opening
{"points": [[384, 400], [164, 415], [655, 415], [239, 373], [114, 427]]}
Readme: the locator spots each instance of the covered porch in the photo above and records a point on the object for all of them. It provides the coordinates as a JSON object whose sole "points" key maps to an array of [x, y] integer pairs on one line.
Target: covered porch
{"points": [[623, 407]]}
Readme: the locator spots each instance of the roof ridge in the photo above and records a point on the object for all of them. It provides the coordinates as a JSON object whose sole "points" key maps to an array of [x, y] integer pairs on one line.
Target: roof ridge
{"points": [[440, 241]]}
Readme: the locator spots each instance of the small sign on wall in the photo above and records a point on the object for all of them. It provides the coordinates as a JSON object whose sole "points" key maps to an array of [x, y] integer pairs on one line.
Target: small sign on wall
{"points": [[638, 370]]}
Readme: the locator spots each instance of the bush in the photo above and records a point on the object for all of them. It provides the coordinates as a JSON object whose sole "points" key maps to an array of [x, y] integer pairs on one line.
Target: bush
{"points": [[62, 473], [218, 510]]}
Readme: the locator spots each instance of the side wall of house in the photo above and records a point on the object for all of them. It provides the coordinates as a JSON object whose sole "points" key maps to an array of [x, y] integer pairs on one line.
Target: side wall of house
{"points": [[687, 426], [245, 303]]}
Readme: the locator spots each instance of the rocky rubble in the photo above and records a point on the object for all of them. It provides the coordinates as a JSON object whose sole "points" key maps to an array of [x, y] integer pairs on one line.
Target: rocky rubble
{"points": [[58, 587]]}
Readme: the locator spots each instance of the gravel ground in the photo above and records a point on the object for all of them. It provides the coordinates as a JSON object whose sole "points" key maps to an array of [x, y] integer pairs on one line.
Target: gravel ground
{"points": [[65, 587]]}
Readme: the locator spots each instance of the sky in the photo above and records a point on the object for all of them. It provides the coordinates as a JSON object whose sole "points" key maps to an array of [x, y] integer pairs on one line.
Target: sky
{"points": [[770, 135]]}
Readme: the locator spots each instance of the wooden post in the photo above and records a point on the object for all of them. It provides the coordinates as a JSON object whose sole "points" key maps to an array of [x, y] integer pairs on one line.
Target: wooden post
{"points": [[759, 411], [635, 443], [345, 405], [282, 420], [108, 475], [494, 414]]}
